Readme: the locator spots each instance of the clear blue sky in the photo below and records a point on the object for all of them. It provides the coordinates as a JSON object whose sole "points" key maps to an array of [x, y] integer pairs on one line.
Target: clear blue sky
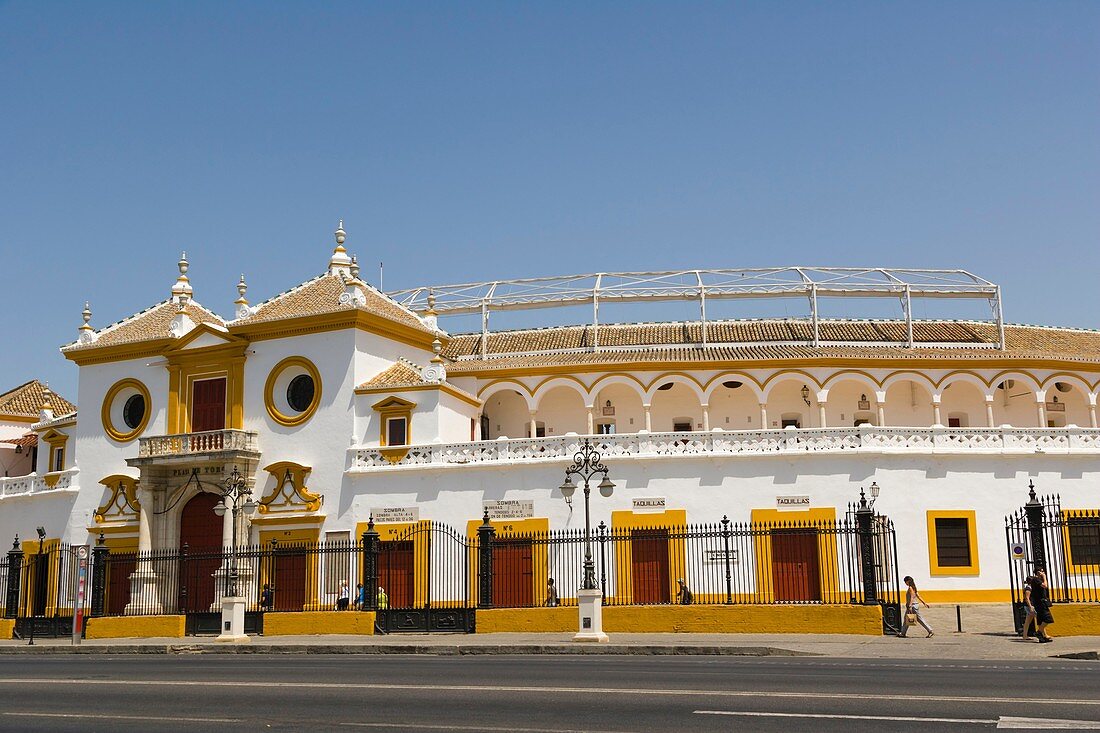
{"points": [[470, 141]]}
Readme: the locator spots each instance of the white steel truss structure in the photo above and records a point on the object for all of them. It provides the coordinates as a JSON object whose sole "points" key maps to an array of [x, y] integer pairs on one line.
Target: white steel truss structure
{"points": [[813, 283]]}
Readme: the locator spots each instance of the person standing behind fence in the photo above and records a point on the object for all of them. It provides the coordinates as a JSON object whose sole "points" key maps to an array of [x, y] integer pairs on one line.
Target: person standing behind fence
{"points": [[267, 598], [342, 599], [552, 598], [912, 609], [684, 596], [383, 599], [360, 597]]}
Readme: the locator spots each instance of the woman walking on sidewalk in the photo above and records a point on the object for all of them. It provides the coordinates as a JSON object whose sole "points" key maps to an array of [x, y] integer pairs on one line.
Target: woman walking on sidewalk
{"points": [[912, 608]]}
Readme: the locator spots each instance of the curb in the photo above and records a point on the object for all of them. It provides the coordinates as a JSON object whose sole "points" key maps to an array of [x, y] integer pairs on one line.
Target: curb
{"points": [[453, 650]]}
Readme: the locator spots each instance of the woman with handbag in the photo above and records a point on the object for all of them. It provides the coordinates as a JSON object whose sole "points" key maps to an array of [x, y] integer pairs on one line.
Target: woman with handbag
{"points": [[912, 609]]}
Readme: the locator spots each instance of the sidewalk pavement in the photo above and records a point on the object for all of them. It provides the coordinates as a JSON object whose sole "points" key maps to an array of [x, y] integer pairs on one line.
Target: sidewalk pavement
{"points": [[987, 635]]}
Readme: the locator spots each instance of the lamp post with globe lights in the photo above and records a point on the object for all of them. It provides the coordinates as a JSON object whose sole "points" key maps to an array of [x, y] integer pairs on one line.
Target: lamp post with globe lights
{"points": [[236, 499], [587, 465]]}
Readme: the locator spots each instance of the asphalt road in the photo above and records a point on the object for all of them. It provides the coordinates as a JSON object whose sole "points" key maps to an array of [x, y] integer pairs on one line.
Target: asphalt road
{"points": [[533, 694]]}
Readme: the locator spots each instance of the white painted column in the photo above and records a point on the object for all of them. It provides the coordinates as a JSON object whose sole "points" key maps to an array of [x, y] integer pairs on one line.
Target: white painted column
{"points": [[535, 427], [706, 418], [881, 414], [989, 411], [1041, 408], [1092, 411], [648, 421], [936, 420], [821, 422], [591, 419], [145, 535], [477, 428], [763, 416]]}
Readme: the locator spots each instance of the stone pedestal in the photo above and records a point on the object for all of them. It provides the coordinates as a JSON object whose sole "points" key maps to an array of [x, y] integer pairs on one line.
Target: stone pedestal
{"points": [[144, 593], [590, 605], [233, 620]]}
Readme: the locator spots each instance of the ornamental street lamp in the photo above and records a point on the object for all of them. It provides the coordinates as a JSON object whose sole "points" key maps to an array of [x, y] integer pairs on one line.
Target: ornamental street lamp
{"points": [[586, 465], [236, 499]]}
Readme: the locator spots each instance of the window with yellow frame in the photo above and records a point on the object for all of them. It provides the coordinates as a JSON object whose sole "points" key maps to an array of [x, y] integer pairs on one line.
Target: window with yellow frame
{"points": [[395, 421], [952, 542]]}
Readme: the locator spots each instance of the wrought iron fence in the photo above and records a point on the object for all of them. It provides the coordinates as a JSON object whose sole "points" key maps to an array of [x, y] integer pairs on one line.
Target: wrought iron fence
{"points": [[41, 589], [817, 562], [1063, 542], [429, 573], [278, 576]]}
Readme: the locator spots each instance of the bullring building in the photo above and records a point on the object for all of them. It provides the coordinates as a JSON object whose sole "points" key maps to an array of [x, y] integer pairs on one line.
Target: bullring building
{"points": [[338, 403]]}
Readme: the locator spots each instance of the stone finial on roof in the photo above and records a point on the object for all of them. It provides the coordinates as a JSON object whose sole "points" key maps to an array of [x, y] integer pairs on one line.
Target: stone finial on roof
{"points": [[241, 302], [181, 291], [436, 371], [87, 333], [46, 411], [430, 316], [340, 263], [354, 269]]}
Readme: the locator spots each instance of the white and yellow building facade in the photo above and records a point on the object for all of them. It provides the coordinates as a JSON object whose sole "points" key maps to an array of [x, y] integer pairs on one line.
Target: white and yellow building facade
{"points": [[338, 402]]}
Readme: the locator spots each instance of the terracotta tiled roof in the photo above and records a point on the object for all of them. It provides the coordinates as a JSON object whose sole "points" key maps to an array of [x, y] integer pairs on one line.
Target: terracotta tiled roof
{"points": [[27, 440], [26, 401], [748, 340], [148, 325], [401, 374], [322, 295]]}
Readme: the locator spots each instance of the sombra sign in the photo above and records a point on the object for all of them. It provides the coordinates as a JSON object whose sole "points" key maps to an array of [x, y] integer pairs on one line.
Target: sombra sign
{"points": [[510, 508]]}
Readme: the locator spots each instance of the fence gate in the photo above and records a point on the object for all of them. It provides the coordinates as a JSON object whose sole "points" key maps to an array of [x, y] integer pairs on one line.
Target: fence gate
{"points": [[42, 590], [423, 581], [1064, 543]]}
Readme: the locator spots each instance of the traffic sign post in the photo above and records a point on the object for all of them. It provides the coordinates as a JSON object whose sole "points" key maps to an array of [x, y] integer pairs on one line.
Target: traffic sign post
{"points": [[78, 611]]}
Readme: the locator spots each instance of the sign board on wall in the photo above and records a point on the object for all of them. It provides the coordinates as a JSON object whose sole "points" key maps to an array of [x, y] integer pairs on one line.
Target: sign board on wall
{"points": [[1018, 552], [797, 501], [718, 557], [649, 504], [395, 514], [510, 508]]}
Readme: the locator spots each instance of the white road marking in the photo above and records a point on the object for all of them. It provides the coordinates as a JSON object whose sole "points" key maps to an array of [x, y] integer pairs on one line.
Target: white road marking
{"points": [[1047, 724], [431, 726], [82, 716], [54, 681], [893, 718]]}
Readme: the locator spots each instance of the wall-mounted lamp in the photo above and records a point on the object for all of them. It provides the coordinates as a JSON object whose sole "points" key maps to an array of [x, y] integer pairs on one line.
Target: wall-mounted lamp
{"points": [[41, 533], [805, 392], [19, 448]]}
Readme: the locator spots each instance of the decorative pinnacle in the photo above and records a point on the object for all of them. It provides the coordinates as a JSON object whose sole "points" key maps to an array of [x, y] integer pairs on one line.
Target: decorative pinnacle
{"points": [[242, 288], [341, 235], [339, 263], [431, 301], [354, 267], [87, 315], [181, 291]]}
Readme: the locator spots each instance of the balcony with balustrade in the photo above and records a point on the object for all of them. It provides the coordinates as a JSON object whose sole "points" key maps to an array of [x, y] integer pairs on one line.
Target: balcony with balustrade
{"points": [[867, 439], [211, 445], [33, 484]]}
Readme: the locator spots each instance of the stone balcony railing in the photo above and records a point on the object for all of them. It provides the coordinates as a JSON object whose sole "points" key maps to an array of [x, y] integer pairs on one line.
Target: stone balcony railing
{"points": [[35, 484], [866, 438], [189, 444]]}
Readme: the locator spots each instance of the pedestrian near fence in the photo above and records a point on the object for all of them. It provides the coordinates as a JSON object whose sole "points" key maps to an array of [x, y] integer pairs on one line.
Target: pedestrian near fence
{"points": [[344, 597], [1037, 601], [913, 602]]}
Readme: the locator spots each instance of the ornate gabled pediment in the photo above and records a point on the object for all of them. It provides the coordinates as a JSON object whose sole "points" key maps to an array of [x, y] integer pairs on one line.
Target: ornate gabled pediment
{"points": [[290, 493], [122, 505], [205, 336]]}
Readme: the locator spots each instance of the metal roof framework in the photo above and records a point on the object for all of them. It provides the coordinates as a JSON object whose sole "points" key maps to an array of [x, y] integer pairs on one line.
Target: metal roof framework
{"points": [[702, 285]]}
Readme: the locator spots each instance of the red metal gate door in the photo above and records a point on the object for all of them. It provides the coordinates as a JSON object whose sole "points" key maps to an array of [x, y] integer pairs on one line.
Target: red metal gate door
{"points": [[201, 531], [796, 576], [649, 566]]}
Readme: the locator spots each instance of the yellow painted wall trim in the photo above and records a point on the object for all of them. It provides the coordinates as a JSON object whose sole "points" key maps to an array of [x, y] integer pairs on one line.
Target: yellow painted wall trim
{"points": [[123, 500], [135, 627], [7, 628], [986, 595], [312, 623], [736, 619], [1076, 619]]}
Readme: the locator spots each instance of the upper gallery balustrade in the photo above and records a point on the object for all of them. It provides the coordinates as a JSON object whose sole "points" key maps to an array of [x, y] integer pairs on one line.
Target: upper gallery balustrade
{"points": [[190, 444], [865, 438]]}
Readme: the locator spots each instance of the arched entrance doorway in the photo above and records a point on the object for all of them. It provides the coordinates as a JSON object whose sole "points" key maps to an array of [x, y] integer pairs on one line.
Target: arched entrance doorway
{"points": [[201, 533]]}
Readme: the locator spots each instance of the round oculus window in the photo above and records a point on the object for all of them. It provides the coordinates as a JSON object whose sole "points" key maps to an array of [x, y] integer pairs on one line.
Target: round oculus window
{"points": [[299, 393], [133, 412]]}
